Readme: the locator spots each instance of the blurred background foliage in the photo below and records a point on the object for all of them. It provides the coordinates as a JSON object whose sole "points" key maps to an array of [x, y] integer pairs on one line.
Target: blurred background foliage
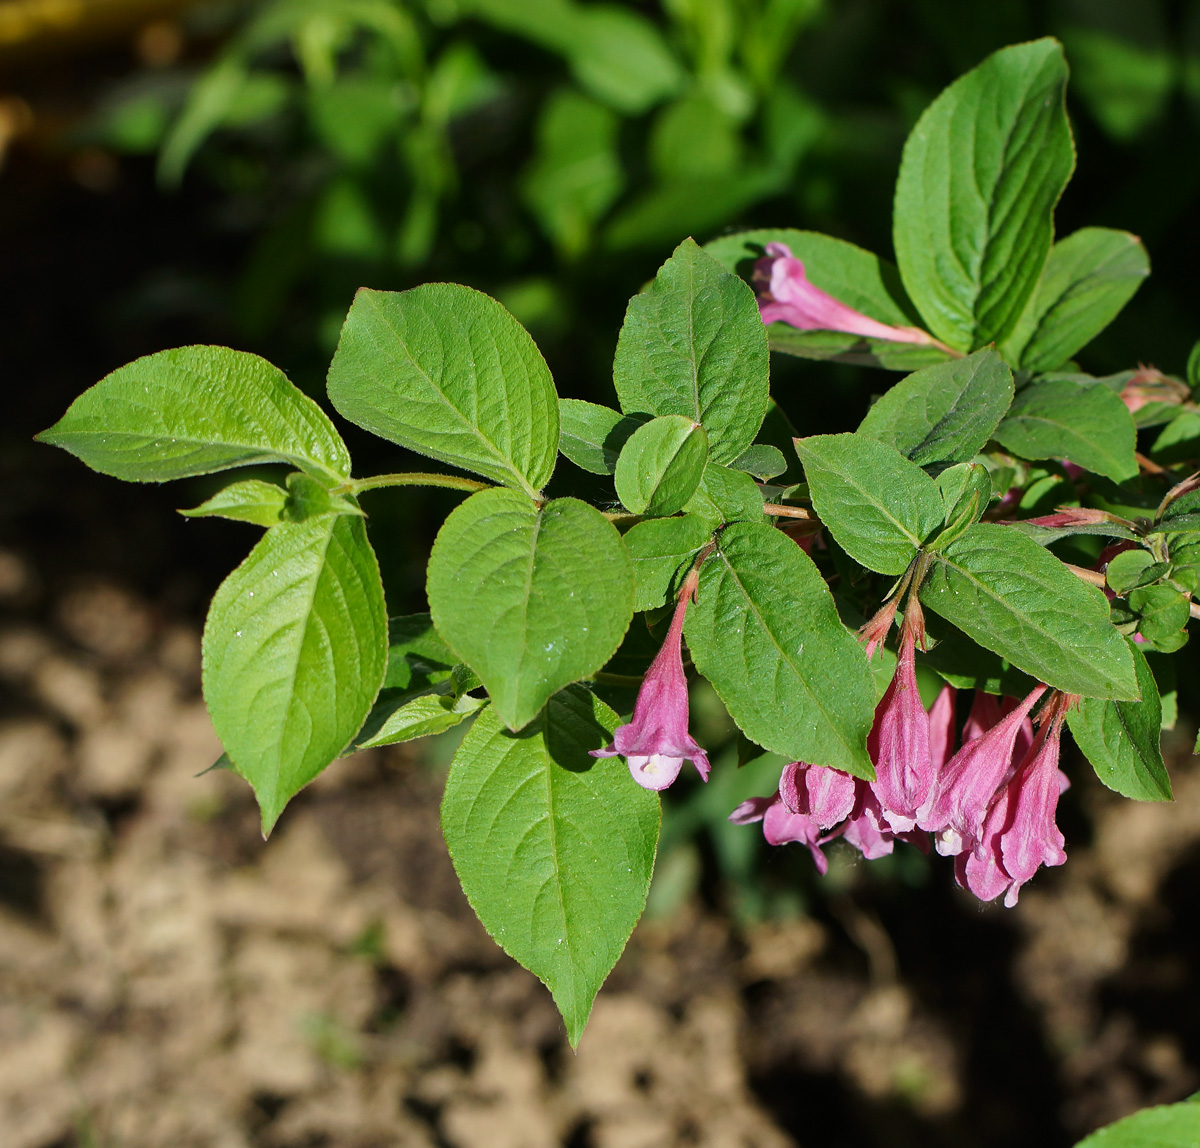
{"points": [[233, 172]]}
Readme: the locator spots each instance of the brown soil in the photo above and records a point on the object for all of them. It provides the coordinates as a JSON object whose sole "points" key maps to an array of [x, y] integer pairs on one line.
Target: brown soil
{"points": [[167, 978]]}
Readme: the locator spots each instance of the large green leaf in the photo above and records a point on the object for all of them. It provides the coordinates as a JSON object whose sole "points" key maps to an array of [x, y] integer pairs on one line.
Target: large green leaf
{"points": [[660, 549], [1088, 278], [1122, 739], [295, 649], [694, 345], [554, 848], [196, 410], [446, 371], [1087, 424], [1167, 1126], [1015, 598], [661, 465], [981, 173], [879, 506], [531, 598], [765, 631], [943, 413]]}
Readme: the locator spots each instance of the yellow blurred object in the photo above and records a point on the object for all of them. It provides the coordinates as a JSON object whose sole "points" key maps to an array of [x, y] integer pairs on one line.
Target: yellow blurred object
{"points": [[36, 23]]}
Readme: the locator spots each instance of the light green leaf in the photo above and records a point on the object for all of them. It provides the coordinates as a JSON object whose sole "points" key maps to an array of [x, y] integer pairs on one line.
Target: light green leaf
{"points": [[1088, 278], [592, 436], [661, 465], [530, 598], [1122, 738], [1013, 597], [1167, 1126], [944, 413], [761, 461], [765, 631], [620, 57], [423, 716], [446, 371], [252, 500], [981, 173], [694, 345], [554, 848], [1087, 424], [196, 410], [879, 506], [661, 549], [295, 648], [726, 495]]}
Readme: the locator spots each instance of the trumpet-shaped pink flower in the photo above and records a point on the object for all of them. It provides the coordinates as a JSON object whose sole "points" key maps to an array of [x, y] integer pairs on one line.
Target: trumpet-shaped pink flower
{"points": [[787, 296], [656, 742], [817, 791], [941, 727], [964, 789], [781, 825], [899, 740]]}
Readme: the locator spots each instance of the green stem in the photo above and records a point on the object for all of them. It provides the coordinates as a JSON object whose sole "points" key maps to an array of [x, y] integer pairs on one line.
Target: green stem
{"points": [[358, 485]]}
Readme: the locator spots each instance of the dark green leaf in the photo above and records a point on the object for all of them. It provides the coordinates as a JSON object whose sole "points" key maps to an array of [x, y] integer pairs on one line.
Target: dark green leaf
{"points": [[841, 347], [251, 500], [446, 371], [592, 436], [764, 630], [726, 495], [660, 549], [967, 666], [530, 598], [661, 465], [295, 649], [1088, 278], [966, 490], [1121, 738], [1013, 597], [1193, 367], [879, 506], [1089, 425], [554, 848], [307, 498], [693, 344], [196, 410], [944, 413], [979, 178], [1162, 610], [1127, 570]]}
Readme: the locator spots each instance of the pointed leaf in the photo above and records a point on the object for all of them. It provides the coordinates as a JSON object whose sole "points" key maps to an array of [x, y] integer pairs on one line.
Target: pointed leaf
{"points": [[879, 506], [423, 716], [250, 501], [944, 413], [531, 599], [592, 436], [661, 549], [765, 631], [195, 410], [1013, 597], [693, 344], [554, 848], [661, 465], [446, 371], [295, 649], [1088, 278], [979, 178], [1122, 738]]}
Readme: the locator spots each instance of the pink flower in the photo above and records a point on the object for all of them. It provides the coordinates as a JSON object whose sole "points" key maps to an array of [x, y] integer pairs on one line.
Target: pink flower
{"points": [[824, 794], [787, 296], [899, 739], [941, 726], [1019, 834], [964, 789], [656, 742], [781, 825]]}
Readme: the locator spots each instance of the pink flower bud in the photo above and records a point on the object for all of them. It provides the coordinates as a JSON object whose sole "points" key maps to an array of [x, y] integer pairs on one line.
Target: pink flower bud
{"points": [[656, 742], [824, 794]]}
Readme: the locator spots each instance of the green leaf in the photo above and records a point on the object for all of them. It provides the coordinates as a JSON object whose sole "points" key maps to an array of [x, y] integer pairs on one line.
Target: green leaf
{"points": [[252, 500], [966, 490], [1088, 278], [1087, 424], [660, 549], [620, 57], [1167, 1126], [1162, 611], [765, 631], [592, 436], [694, 345], [554, 848], [446, 371], [307, 498], [943, 413], [431, 713], [530, 598], [196, 410], [1193, 366], [855, 350], [761, 461], [576, 174], [1127, 570], [879, 506], [1122, 738], [967, 666], [726, 495], [1015, 598], [979, 178], [295, 648], [661, 465]]}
